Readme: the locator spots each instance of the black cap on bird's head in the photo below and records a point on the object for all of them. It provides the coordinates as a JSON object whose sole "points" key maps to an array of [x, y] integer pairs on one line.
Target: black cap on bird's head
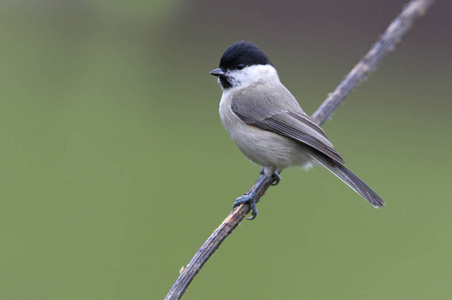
{"points": [[243, 53], [240, 55]]}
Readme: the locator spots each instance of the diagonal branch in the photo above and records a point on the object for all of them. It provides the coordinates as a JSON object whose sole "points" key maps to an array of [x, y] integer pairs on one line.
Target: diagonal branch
{"points": [[412, 11], [386, 43]]}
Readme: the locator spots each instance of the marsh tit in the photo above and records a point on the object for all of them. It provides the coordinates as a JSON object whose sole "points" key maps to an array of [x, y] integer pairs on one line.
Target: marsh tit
{"points": [[268, 125]]}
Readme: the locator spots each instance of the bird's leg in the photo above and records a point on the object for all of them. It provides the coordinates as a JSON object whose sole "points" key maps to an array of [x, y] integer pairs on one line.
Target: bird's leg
{"points": [[250, 197], [275, 176]]}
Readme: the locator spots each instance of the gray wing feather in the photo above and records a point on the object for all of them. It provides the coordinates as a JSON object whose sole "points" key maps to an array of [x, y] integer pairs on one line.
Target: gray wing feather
{"points": [[287, 118], [287, 125]]}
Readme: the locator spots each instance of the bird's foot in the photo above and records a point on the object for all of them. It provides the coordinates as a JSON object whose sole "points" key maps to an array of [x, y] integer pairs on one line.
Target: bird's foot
{"points": [[250, 198], [247, 199]]}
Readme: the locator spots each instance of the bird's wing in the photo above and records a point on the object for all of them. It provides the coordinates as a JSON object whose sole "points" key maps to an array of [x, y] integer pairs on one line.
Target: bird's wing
{"points": [[289, 120]]}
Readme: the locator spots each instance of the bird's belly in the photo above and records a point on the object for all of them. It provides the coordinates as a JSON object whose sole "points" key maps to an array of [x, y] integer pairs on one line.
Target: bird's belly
{"points": [[268, 149]]}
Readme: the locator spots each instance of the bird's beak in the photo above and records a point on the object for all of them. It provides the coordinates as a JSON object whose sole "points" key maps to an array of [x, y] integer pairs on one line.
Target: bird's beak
{"points": [[217, 72]]}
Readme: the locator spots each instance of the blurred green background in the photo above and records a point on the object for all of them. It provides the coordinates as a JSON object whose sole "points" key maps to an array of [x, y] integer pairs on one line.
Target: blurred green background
{"points": [[115, 168]]}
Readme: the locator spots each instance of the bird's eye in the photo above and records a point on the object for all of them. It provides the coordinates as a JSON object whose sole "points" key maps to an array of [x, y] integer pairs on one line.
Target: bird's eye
{"points": [[240, 66]]}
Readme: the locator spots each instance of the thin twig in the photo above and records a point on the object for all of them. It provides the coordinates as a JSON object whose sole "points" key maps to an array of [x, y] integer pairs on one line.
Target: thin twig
{"points": [[387, 42]]}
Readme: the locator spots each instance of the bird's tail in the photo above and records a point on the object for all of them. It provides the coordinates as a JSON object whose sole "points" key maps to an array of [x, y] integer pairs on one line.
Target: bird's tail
{"points": [[352, 181]]}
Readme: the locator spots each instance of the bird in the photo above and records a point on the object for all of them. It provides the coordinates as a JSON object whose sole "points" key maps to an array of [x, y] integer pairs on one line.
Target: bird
{"points": [[268, 124]]}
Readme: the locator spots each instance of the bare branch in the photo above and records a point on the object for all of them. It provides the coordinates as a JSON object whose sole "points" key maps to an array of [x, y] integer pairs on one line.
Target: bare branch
{"points": [[387, 42]]}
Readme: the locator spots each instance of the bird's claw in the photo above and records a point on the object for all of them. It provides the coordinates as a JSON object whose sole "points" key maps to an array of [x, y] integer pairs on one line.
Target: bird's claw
{"points": [[247, 199], [253, 210]]}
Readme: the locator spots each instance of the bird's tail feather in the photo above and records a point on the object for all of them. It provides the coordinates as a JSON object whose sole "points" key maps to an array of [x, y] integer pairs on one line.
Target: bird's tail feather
{"points": [[352, 181]]}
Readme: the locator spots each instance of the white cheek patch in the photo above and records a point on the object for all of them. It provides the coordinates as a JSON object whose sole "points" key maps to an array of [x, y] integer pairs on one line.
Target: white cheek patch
{"points": [[252, 74]]}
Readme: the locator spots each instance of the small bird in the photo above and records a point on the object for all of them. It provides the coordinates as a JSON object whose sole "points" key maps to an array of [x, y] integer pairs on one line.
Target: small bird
{"points": [[268, 125]]}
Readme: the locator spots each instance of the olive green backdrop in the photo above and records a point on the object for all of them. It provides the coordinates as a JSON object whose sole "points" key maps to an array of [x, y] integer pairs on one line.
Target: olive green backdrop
{"points": [[114, 166]]}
